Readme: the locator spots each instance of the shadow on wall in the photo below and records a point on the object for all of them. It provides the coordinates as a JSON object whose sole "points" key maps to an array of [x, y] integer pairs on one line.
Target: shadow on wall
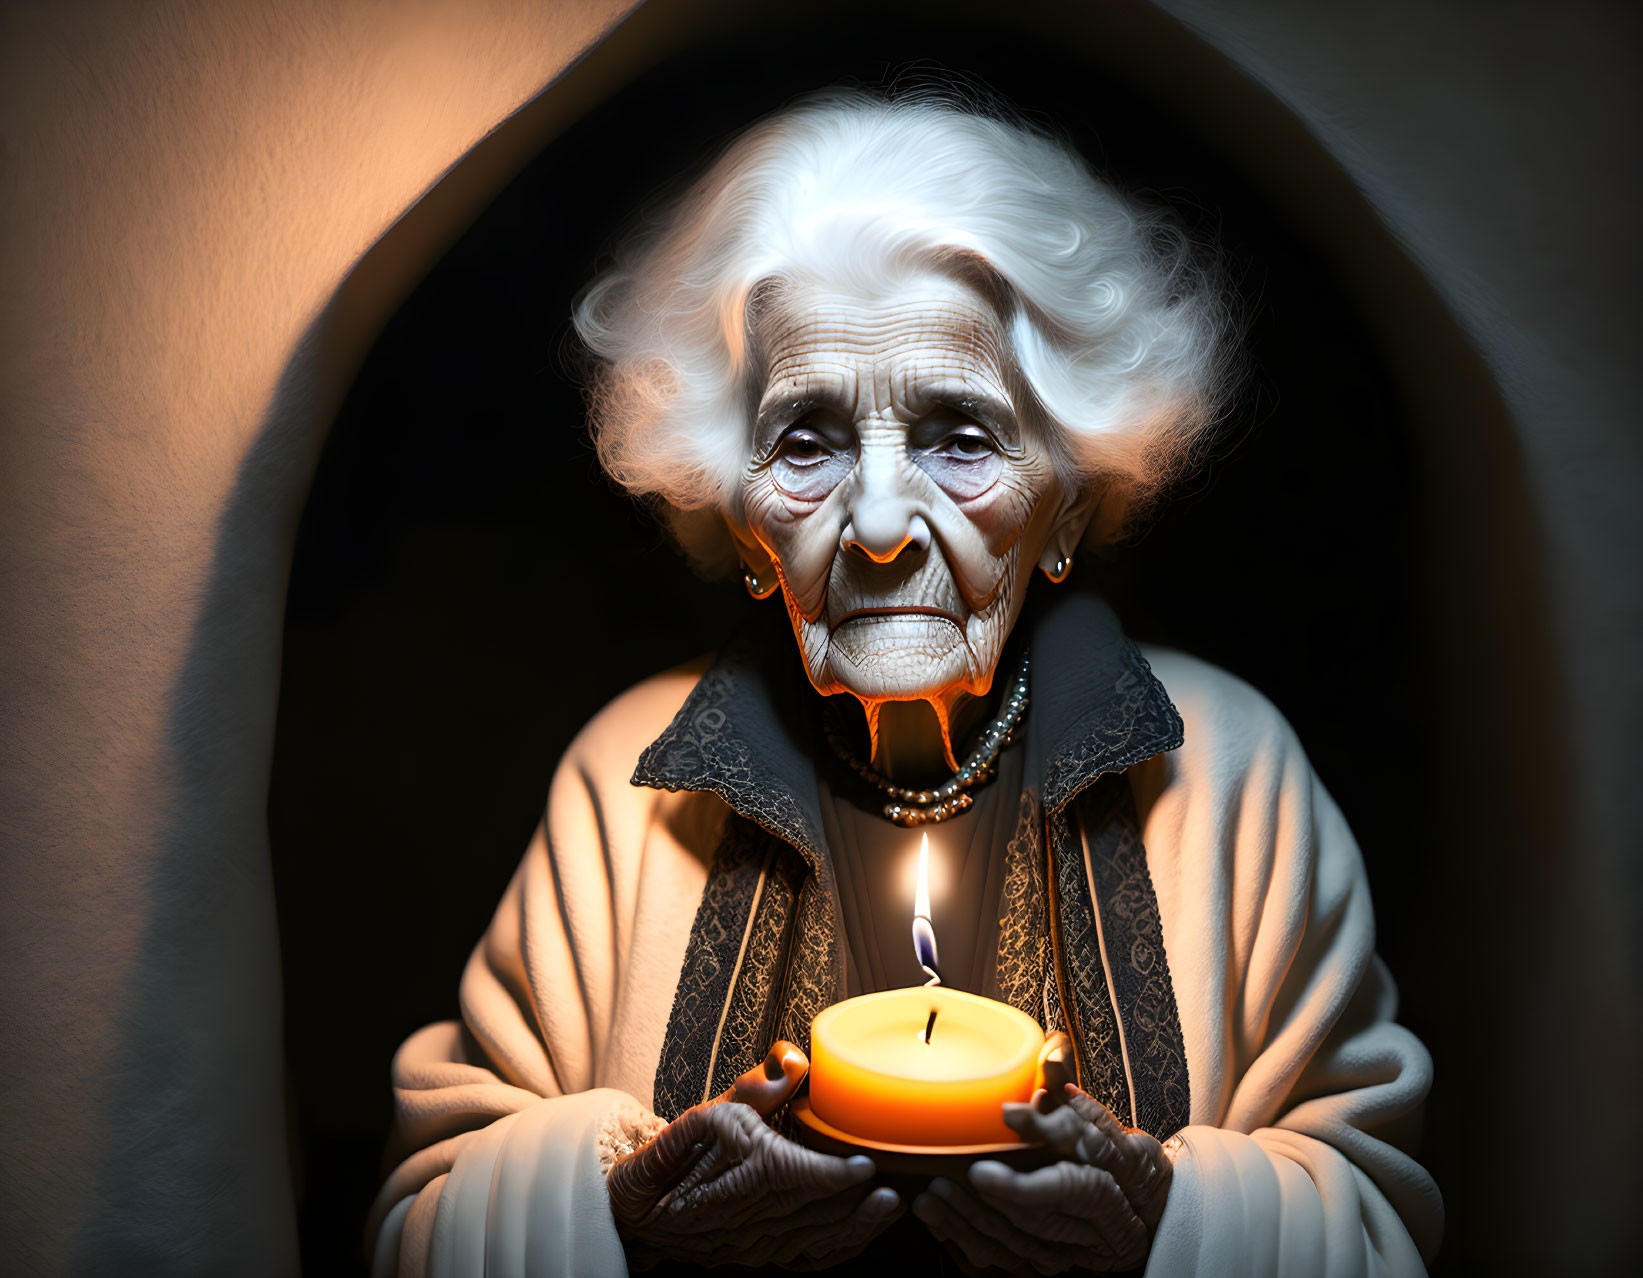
{"points": [[468, 589]]}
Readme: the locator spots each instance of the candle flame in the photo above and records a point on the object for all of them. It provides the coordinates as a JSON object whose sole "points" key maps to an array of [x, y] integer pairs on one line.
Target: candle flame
{"points": [[924, 934]]}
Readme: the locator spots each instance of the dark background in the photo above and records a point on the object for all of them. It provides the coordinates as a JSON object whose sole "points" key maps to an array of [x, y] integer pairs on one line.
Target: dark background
{"points": [[468, 589]]}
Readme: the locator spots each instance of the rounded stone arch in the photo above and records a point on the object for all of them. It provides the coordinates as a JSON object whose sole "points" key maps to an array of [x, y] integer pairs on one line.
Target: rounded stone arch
{"points": [[1463, 504], [193, 186]]}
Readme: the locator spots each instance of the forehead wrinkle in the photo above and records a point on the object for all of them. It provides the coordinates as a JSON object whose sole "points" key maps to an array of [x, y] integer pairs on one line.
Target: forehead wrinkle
{"points": [[942, 378], [809, 371], [861, 335], [805, 312], [814, 377], [892, 346]]}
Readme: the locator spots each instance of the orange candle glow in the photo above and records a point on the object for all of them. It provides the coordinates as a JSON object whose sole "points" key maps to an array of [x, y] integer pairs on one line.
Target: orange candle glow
{"points": [[922, 1066], [873, 1074]]}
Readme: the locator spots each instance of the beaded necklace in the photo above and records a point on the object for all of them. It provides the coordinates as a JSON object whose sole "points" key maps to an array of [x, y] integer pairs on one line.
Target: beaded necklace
{"points": [[909, 807]]}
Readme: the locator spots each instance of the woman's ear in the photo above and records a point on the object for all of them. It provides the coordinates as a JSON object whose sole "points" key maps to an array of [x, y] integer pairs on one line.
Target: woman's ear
{"points": [[758, 564], [1068, 535], [749, 549]]}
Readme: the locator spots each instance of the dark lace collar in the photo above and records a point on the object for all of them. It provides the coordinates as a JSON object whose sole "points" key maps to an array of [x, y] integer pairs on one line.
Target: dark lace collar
{"points": [[748, 730]]}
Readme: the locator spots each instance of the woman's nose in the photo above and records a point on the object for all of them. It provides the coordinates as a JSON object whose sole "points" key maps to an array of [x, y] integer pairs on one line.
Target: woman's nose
{"points": [[883, 526], [884, 508]]}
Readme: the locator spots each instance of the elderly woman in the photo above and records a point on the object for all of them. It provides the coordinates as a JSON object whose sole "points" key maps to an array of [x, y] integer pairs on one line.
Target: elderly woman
{"points": [[893, 355]]}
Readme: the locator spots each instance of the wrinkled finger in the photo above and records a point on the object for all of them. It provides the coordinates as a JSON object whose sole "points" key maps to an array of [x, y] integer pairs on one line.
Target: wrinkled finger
{"points": [[1067, 1133], [706, 1233], [1066, 1203], [1094, 1113], [740, 1198], [759, 1229], [1048, 1252], [1055, 1127], [771, 1084], [727, 1135], [734, 1137], [818, 1212], [753, 1173], [819, 1246], [1148, 1180], [779, 1216], [947, 1224], [1140, 1166], [638, 1181], [721, 1187], [798, 1175]]}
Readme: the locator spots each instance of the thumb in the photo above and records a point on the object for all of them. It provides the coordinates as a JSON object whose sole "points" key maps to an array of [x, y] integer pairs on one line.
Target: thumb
{"points": [[768, 1086], [1056, 1068]]}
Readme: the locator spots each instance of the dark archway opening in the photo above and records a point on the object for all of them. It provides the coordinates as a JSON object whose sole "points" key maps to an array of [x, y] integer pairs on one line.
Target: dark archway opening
{"points": [[468, 589]]}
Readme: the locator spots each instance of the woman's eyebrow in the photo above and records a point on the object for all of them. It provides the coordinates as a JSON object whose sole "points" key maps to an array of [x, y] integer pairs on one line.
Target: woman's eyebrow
{"points": [[991, 411], [782, 405], [781, 413]]}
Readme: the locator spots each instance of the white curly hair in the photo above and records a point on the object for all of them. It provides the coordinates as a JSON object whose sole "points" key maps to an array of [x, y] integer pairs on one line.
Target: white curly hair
{"points": [[1116, 323]]}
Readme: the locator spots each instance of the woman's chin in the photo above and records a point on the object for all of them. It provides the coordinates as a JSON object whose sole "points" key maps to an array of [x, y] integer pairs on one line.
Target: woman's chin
{"points": [[897, 676]]}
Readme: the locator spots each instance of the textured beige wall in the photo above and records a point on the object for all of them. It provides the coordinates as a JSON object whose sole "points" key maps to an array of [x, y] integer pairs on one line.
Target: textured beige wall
{"points": [[186, 189]]}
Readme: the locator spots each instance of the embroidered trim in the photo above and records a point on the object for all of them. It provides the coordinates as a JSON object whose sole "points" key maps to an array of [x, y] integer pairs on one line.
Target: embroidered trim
{"points": [[814, 975], [716, 1028], [1025, 976], [1106, 966], [1095, 1033], [754, 1004], [1140, 994], [730, 738], [747, 935], [1135, 721], [705, 748]]}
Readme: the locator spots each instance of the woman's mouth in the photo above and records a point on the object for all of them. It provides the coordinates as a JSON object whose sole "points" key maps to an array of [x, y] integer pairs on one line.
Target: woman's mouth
{"points": [[900, 610]]}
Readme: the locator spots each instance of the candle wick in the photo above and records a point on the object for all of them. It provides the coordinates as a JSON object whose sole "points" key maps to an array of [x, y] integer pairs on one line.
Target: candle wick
{"points": [[930, 1025]]}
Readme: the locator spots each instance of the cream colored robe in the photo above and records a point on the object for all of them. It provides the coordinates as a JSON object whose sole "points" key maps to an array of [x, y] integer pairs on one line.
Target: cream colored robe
{"points": [[1305, 1094]]}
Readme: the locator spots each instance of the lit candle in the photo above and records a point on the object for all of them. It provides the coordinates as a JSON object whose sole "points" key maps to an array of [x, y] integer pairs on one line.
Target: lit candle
{"points": [[922, 1066]]}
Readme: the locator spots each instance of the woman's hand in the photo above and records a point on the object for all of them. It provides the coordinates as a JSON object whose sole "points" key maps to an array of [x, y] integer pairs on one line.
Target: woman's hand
{"points": [[1096, 1208], [718, 1186]]}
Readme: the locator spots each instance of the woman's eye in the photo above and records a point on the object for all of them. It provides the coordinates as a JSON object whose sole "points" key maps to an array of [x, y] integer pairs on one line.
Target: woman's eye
{"points": [[963, 458], [805, 465], [802, 448], [967, 445]]}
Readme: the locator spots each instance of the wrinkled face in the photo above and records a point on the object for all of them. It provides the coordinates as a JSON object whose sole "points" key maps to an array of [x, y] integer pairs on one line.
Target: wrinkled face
{"points": [[896, 488]]}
